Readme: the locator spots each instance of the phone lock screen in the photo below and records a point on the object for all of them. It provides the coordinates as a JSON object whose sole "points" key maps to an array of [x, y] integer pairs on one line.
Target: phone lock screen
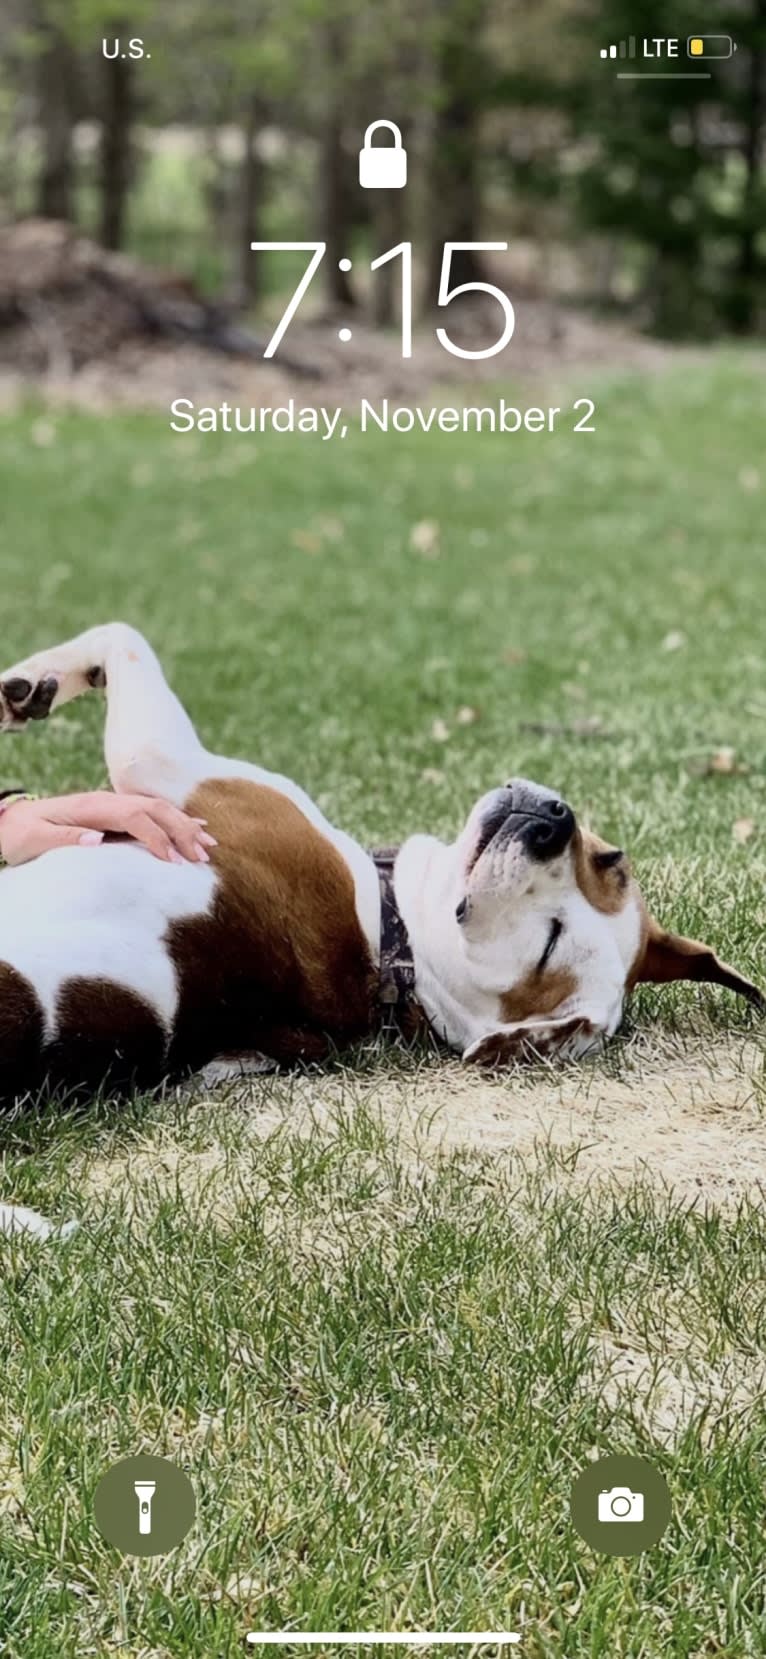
{"points": [[382, 847]]}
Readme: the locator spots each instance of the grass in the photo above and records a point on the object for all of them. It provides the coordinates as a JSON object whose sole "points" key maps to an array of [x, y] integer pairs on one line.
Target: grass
{"points": [[382, 1365]]}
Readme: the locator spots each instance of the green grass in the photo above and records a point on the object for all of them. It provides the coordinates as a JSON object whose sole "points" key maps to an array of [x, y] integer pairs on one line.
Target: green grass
{"points": [[382, 1369]]}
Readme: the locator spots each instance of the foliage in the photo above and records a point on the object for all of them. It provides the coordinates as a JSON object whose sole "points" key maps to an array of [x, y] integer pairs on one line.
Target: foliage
{"points": [[508, 106]]}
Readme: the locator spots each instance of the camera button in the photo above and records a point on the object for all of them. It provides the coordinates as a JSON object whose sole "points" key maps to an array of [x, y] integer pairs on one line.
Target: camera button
{"points": [[620, 1505]]}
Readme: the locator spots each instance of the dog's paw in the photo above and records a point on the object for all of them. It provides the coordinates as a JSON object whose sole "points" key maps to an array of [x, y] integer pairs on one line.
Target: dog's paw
{"points": [[23, 699], [234, 1068]]}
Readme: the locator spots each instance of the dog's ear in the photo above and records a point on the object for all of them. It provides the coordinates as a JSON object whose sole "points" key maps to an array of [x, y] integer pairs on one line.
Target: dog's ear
{"points": [[667, 956], [529, 1040]]}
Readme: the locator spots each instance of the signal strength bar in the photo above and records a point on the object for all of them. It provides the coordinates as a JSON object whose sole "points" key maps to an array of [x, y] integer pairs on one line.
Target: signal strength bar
{"points": [[623, 49]]}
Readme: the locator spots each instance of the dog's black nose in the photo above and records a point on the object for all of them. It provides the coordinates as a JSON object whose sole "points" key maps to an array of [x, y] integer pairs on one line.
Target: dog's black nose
{"points": [[549, 831]]}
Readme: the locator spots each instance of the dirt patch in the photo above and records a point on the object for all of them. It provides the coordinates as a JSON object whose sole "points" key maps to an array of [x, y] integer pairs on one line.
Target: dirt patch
{"points": [[98, 331], [199, 1178], [551, 347], [690, 1119], [666, 1392]]}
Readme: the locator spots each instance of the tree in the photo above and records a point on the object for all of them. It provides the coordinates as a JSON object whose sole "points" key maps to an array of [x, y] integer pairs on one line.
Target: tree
{"points": [[463, 90], [116, 126], [675, 169], [56, 82], [334, 193], [748, 95]]}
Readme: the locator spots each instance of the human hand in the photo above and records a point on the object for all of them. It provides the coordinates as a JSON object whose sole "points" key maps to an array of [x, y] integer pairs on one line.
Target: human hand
{"points": [[29, 828]]}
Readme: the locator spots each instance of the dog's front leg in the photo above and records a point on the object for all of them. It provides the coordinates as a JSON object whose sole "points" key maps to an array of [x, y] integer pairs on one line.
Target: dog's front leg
{"points": [[149, 742]]}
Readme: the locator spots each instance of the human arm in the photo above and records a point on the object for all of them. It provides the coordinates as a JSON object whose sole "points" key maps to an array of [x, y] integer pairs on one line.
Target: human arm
{"points": [[30, 827]]}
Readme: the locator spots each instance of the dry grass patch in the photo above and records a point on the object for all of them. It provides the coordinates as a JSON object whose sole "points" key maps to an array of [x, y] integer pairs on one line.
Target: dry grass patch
{"points": [[666, 1393], [688, 1118]]}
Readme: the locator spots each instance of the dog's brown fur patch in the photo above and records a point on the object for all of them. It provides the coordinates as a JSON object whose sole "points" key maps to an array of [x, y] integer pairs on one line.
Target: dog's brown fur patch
{"points": [[537, 995], [280, 963], [104, 1034], [605, 886], [21, 1032]]}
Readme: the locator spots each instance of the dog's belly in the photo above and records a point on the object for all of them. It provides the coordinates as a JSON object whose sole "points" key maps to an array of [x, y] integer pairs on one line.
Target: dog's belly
{"points": [[88, 987], [115, 964]]}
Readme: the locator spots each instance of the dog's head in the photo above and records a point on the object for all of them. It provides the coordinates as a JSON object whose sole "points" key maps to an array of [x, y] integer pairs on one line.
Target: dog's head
{"points": [[552, 929]]}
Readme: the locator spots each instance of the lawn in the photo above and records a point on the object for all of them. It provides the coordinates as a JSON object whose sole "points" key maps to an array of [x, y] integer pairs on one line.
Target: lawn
{"points": [[382, 1335]]}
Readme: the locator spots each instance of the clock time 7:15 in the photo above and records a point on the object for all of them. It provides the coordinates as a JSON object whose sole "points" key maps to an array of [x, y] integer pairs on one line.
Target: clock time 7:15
{"points": [[403, 251]]}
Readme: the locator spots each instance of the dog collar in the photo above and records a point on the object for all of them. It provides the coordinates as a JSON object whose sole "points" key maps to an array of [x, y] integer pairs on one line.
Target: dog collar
{"points": [[400, 1010]]}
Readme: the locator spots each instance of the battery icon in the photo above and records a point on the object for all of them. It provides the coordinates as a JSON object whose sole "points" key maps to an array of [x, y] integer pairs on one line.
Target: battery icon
{"points": [[710, 46]]}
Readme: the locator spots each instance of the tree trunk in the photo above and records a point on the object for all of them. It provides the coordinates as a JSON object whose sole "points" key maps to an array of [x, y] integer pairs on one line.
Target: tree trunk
{"points": [[115, 148], [745, 305], [334, 191], [336, 219], [214, 190], [456, 208], [56, 92], [12, 148], [389, 228], [455, 186], [253, 180]]}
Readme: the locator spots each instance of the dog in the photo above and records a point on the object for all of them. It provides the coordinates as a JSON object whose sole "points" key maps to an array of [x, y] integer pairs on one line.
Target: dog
{"points": [[519, 939]]}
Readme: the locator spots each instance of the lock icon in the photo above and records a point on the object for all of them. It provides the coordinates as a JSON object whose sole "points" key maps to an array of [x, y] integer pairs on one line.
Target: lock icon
{"points": [[383, 166]]}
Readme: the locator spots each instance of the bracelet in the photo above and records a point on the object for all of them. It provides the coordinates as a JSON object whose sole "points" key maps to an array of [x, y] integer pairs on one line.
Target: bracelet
{"points": [[9, 798]]}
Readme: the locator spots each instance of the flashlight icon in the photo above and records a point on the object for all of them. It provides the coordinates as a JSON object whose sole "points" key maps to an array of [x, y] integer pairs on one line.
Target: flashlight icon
{"points": [[144, 1490]]}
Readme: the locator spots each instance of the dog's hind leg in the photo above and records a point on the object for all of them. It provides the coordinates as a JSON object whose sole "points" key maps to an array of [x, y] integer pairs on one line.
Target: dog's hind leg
{"points": [[22, 1034], [149, 742]]}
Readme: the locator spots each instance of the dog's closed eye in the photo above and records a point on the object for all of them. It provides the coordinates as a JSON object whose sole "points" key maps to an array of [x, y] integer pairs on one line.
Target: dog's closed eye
{"points": [[556, 930]]}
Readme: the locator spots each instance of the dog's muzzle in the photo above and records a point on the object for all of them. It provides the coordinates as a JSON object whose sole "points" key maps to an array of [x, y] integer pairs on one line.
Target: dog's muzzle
{"points": [[535, 817]]}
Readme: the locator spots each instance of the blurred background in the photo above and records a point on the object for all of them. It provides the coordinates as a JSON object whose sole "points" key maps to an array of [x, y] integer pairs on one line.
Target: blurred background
{"points": [[231, 122]]}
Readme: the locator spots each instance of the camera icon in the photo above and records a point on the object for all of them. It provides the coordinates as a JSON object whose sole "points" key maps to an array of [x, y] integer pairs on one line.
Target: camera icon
{"points": [[620, 1504]]}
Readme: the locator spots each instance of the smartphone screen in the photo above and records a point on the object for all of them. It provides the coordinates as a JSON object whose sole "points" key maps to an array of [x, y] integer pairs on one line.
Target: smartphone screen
{"points": [[381, 819]]}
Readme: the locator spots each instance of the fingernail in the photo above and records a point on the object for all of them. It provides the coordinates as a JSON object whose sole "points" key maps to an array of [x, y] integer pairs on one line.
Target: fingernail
{"points": [[208, 840], [174, 856], [91, 838], [202, 855], [199, 820]]}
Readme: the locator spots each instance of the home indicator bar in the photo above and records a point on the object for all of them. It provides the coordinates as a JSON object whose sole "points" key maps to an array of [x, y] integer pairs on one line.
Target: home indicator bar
{"points": [[385, 1638]]}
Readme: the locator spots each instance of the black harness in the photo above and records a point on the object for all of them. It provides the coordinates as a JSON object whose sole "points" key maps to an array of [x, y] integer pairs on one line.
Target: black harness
{"points": [[400, 1011]]}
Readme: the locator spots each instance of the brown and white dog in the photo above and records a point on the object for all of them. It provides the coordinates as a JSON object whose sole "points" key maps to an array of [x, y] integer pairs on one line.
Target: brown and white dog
{"points": [[522, 937]]}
